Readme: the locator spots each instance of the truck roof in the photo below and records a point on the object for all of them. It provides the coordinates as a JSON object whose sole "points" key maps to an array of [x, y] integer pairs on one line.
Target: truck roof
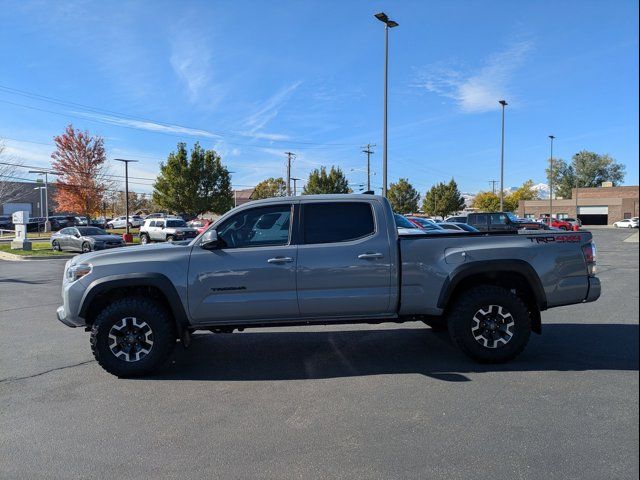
{"points": [[315, 198]]}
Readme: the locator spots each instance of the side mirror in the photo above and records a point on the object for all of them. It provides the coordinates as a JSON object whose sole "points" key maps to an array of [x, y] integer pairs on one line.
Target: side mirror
{"points": [[77, 235], [210, 240]]}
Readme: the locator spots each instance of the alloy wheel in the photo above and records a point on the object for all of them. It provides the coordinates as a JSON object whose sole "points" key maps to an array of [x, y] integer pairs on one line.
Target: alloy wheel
{"points": [[492, 326], [131, 339]]}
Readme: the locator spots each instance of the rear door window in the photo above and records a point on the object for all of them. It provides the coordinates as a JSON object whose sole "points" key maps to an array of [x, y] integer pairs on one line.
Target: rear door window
{"points": [[336, 222]]}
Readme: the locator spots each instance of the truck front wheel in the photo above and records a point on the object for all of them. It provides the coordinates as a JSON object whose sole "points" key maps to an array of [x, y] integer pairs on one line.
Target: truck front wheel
{"points": [[490, 324], [132, 336]]}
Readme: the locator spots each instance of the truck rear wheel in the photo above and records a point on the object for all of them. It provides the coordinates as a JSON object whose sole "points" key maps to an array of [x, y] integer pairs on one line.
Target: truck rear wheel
{"points": [[490, 324], [132, 336]]}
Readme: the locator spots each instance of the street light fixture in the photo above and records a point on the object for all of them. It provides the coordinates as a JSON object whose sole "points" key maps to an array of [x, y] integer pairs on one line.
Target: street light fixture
{"points": [[552, 138], [47, 223], [127, 235], [387, 25], [504, 104]]}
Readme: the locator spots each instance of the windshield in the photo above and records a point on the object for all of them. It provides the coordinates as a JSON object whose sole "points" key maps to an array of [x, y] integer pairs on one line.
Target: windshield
{"points": [[176, 223], [403, 222], [91, 231], [512, 217]]}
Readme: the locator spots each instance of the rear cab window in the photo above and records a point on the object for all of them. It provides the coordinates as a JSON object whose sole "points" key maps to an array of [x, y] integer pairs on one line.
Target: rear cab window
{"points": [[335, 222]]}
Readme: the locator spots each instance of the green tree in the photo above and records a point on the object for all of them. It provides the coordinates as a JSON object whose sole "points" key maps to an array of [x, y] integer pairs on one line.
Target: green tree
{"points": [[591, 169], [403, 197], [486, 202], [587, 169], [525, 192], [563, 178], [320, 182], [193, 184], [271, 187], [443, 199]]}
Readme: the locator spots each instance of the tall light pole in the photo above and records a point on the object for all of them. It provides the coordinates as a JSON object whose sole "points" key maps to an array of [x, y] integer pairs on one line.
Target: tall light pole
{"points": [[387, 25], [47, 223], [552, 138], [126, 194], [504, 104], [41, 205]]}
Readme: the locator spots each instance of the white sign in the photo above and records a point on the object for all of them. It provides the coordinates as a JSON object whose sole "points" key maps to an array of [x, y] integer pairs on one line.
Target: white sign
{"points": [[20, 218]]}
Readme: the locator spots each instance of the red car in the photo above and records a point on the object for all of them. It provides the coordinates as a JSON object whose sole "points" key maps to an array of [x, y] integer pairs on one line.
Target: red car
{"points": [[200, 224], [556, 223]]}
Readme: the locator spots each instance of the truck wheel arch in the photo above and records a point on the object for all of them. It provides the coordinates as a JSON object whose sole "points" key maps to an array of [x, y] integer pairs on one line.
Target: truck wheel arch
{"points": [[496, 272], [155, 283]]}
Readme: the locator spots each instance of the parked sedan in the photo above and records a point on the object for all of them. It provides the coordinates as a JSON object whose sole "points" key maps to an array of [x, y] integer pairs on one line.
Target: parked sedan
{"points": [[627, 223], [84, 239], [556, 223], [458, 226]]}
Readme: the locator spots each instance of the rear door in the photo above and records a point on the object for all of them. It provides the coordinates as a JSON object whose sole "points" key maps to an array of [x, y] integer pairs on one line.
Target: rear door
{"points": [[157, 231], [344, 260]]}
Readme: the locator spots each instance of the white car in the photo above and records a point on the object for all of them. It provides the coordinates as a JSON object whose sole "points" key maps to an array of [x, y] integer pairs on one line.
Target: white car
{"points": [[120, 222], [627, 223]]}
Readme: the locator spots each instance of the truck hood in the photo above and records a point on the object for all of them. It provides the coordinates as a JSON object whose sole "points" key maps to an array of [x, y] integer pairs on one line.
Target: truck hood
{"points": [[130, 254]]}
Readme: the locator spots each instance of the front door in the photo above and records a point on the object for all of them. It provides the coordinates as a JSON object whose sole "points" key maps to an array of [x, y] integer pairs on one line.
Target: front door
{"points": [[252, 276], [344, 260]]}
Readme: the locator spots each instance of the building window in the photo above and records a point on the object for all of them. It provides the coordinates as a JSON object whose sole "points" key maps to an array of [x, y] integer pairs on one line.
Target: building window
{"points": [[530, 216], [627, 215], [562, 216]]}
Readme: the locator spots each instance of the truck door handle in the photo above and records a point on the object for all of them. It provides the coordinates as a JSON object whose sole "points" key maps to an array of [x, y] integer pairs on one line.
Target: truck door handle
{"points": [[280, 260], [370, 256]]}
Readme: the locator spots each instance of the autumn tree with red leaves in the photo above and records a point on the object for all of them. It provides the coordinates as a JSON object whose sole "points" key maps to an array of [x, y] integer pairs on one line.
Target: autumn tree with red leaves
{"points": [[80, 163]]}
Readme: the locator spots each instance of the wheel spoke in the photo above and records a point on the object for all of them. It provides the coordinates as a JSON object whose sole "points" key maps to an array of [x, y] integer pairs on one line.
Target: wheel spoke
{"points": [[492, 326], [130, 339]]}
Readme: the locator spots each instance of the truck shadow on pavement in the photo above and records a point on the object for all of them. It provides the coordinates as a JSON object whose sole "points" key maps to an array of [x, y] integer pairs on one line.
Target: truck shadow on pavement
{"points": [[299, 355]]}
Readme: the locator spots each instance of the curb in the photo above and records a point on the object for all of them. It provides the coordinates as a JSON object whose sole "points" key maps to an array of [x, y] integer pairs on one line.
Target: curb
{"points": [[20, 258]]}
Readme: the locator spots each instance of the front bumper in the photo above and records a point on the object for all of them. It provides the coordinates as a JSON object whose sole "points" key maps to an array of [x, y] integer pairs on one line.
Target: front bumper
{"points": [[72, 294], [594, 289]]}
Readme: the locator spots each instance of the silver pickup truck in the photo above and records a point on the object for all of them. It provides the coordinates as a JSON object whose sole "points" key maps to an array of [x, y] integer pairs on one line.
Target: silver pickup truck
{"points": [[330, 259]]}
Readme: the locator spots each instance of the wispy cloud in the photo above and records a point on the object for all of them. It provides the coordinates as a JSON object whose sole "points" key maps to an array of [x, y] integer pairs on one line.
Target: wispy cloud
{"points": [[266, 112], [479, 90], [148, 125]]}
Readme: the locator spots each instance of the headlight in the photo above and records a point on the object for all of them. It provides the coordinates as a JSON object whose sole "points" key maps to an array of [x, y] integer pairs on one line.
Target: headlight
{"points": [[76, 272]]}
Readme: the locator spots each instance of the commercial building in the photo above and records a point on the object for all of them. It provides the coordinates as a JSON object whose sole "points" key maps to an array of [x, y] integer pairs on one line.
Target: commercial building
{"points": [[21, 196], [593, 206]]}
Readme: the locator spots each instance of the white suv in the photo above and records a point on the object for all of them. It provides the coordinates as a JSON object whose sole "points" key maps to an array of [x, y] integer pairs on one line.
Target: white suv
{"points": [[120, 222]]}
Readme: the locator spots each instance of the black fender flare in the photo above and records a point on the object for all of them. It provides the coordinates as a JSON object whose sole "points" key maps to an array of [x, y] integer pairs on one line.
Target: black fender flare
{"points": [[487, 266], [157, 280]]}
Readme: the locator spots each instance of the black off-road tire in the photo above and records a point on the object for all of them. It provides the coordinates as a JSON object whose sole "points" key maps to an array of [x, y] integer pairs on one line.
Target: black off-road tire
{"points": [[56, 246], [437, 324], [146, 310], [86, 247], [461, 322], [144, 239], [171, 238]]}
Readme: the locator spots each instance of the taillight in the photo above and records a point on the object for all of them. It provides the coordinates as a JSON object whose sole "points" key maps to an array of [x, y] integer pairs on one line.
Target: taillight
{"points": [[589, 251]]}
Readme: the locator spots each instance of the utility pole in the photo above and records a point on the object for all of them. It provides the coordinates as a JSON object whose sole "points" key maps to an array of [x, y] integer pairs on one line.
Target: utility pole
{"points": [[493, 185], [290, 156], [369, 152], [295, 185]]}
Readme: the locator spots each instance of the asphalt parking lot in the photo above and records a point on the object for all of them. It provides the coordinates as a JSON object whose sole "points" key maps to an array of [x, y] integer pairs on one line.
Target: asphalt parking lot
{"points": [[353, 402]]}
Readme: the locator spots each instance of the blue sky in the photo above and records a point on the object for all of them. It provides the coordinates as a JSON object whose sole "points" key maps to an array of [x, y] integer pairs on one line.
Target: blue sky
{"points": [[254, 79]]}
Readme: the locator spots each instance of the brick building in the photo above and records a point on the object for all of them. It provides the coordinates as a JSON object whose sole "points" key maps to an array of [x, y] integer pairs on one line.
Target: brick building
{"points": [[594, 206]]}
